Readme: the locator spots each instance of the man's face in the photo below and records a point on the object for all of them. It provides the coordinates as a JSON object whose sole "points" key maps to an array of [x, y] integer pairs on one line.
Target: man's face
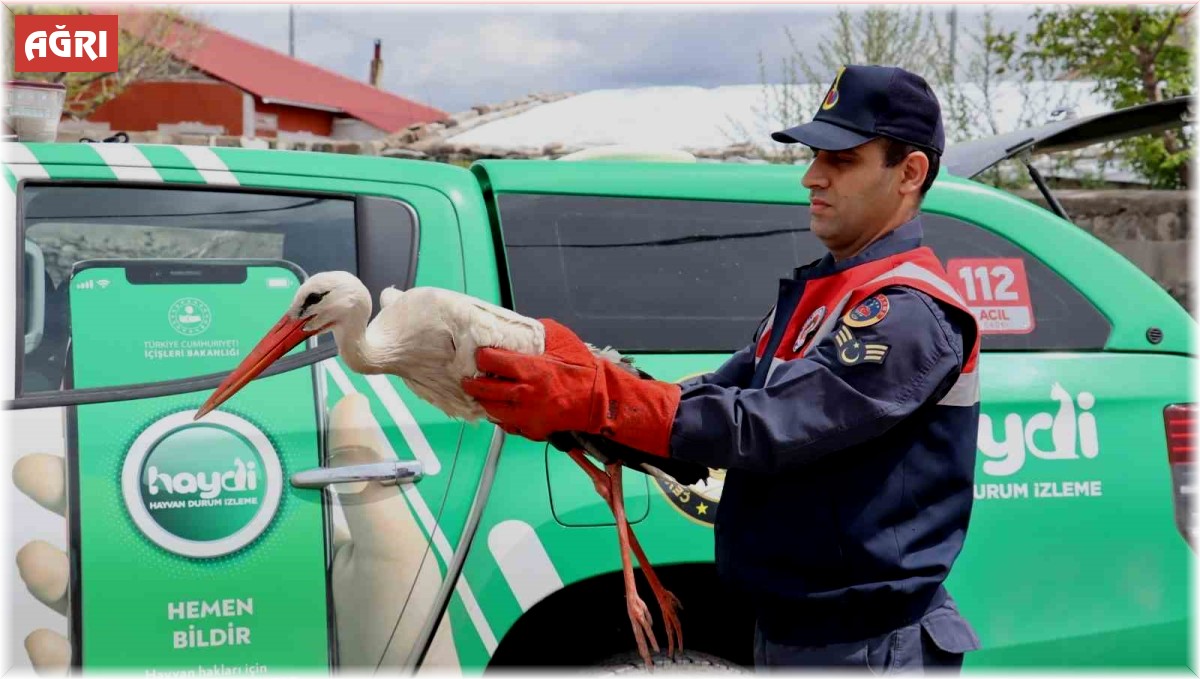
{"points": [[853, 194]]}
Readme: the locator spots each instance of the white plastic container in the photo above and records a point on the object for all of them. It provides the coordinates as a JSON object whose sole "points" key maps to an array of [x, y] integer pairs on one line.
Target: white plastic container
{"points": [[33, 109]]}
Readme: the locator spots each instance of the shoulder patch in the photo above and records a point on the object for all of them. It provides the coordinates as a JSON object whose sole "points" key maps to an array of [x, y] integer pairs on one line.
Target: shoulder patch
{"points": [[868, 312], [852, 351]]}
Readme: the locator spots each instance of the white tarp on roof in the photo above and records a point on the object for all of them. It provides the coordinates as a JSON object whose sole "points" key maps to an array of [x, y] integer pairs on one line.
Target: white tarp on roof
{"points": [[699, 118]]}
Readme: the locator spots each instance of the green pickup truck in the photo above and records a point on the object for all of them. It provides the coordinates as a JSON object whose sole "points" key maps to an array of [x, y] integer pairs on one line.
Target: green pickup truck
{"points": [[498, 550]]}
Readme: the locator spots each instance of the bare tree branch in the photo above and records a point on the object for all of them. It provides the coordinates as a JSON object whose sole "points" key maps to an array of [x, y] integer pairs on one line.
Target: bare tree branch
{"points": [[141, 54]]}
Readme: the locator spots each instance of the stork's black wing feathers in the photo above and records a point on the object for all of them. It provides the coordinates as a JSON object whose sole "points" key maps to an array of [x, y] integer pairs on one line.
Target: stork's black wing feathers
{"points": [[686, 473]]}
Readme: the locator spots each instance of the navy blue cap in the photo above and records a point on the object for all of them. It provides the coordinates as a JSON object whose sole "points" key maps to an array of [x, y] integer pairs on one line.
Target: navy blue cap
{"points": [[866, 102]]}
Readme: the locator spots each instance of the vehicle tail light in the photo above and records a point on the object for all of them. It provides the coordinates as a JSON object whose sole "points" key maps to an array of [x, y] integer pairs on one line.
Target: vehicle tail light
{"points": [[1180, 421]]}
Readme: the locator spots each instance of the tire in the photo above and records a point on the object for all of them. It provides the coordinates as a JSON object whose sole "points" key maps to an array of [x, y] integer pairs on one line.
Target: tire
{"points": [[684, 661]]}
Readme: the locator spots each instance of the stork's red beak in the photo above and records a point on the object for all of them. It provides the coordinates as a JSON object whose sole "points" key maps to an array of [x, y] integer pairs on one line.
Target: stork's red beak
{"points": [[286, 334]]}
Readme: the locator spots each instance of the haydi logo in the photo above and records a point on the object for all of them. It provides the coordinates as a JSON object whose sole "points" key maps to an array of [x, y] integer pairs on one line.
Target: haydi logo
{"points": [[202, 489], [65, 43], [243, 477], [1072, 433]]}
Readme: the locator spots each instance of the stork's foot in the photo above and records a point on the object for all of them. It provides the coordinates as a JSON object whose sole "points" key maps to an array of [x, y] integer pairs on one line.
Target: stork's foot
{"points": [[669, 604], [643, 627], [639, 615]]}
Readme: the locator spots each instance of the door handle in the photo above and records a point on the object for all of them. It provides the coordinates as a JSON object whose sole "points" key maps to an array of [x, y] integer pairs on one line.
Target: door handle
{"points": [[386, 473]]}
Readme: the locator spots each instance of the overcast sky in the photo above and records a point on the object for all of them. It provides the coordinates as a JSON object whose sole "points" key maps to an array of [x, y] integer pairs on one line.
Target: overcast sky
{"points": [[452, 57]]}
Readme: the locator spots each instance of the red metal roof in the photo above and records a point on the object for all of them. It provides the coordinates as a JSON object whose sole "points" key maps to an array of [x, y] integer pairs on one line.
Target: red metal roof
{"points": [[278, 78]]}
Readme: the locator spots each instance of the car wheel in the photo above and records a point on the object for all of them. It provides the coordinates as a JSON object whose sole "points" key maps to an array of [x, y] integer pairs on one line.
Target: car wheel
{"points": [[687, 661]]}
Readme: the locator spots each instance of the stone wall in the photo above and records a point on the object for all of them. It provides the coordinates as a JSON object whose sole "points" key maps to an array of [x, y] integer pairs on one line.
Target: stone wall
{"points": [[1151, 228]]}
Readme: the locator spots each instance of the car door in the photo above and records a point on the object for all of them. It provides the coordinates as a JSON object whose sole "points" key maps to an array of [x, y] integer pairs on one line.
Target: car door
{"points": [[672, 266], [387, 550], [1075, 554]]}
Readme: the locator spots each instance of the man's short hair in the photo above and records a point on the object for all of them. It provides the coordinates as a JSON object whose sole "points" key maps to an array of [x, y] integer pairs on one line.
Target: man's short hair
{"points": [[895, 152]]}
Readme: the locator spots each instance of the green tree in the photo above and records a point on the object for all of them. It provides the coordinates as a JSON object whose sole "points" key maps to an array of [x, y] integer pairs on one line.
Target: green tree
{"points": [[1136, 55], [140, 55], [1036, 92]]}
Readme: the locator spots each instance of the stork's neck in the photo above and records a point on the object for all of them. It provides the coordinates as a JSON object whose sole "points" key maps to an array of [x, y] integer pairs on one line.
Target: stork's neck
{"points": [[354, 345]]}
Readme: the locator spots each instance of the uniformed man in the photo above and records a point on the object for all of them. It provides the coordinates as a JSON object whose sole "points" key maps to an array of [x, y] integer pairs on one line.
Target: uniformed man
{"points": [[848, 426]]}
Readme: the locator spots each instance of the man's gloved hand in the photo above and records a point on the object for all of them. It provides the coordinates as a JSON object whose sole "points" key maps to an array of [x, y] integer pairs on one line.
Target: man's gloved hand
{"points": [[380, 564], [568, 388]]}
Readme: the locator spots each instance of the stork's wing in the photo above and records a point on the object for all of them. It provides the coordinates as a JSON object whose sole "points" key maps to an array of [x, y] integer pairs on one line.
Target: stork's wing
{"points": [[494, 326]]}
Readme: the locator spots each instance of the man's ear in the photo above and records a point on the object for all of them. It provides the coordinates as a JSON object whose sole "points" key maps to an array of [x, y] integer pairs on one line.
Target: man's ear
{"points": [[915, 167]]}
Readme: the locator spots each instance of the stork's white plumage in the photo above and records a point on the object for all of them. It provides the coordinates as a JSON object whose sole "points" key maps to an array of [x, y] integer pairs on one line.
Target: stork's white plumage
{"points": [[428, 337]]}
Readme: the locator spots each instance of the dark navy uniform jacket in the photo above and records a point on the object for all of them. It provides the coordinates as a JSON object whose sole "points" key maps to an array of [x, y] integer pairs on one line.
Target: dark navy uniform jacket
{"points": [[848, 434]]}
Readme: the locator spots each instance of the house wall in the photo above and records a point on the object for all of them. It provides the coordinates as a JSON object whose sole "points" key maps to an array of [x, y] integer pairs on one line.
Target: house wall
{"points": [[144, 105], [292, 119], [354, 129]]}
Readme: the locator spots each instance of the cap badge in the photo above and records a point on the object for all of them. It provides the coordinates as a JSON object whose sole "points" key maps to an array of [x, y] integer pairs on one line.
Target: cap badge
{"points": [[831, 98]]}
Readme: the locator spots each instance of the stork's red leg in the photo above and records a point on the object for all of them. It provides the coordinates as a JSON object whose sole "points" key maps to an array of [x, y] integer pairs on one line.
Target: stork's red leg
{"points": [[599, 478], [668, 603], [639, 615]]}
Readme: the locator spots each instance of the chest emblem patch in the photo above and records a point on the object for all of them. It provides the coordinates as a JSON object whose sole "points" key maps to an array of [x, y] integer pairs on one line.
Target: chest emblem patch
{"points": [[810, 326], [867, 313]]}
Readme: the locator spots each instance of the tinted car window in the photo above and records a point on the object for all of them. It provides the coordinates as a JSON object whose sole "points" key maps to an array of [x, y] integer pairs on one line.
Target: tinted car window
{"points": [[66, 225], [1063, 319], [652, 275], [678, 275]]}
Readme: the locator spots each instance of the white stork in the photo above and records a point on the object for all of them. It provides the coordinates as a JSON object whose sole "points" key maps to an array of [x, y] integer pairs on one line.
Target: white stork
{"points": [[427, 337]]}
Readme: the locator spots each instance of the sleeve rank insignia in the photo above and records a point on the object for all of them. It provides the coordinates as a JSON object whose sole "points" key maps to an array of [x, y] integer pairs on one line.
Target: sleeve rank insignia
{"points": [[852, 351]]}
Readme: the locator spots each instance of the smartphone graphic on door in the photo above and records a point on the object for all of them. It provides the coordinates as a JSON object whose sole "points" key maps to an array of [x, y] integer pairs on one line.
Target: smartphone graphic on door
{"points": [[189, 549]]}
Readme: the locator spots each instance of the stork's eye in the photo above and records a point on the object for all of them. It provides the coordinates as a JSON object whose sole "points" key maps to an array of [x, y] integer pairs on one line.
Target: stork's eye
{"points": [[313, 298]]}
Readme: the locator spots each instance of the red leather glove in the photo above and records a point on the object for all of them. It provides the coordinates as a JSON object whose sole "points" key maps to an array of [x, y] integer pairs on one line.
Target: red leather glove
{"points": [[567, 388]]}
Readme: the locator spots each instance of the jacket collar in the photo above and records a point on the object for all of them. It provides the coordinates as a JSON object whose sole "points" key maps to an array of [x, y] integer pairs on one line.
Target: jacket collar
{"points": [[907, 236]]}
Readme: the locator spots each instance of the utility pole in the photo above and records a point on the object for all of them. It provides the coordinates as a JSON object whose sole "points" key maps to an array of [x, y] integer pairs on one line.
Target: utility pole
{"points": [[291, 30]]}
